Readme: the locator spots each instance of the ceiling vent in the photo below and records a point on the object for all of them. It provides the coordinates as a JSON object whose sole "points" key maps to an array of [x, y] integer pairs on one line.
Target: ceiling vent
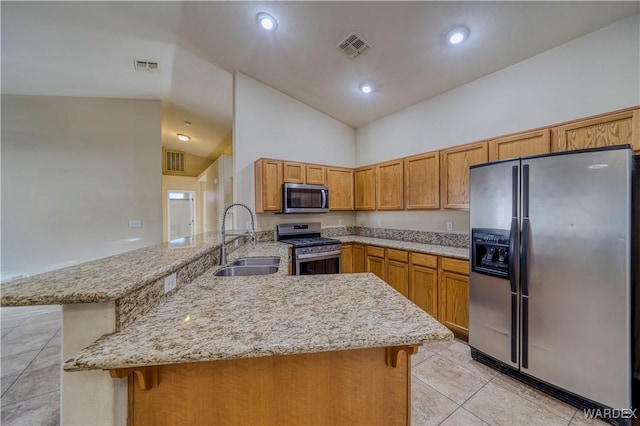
{"points": [[174, 162], [353, 46], [142, 65]]}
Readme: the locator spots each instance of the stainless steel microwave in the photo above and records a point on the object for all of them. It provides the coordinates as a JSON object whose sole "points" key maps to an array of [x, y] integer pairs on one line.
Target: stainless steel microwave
{"points": [[300, 198]]}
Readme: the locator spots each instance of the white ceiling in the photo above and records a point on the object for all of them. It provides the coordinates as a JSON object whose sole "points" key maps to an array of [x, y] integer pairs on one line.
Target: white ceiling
{"points": [[88, 48]]}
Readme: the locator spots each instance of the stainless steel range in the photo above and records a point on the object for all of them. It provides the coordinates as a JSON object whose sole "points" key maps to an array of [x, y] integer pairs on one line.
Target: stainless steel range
{"points": [[310, 253]]}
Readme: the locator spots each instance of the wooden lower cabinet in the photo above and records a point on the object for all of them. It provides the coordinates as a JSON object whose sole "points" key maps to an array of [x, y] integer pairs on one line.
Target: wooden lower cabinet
{"points": [[359, 386], [397, 269], [347, 258], [439, 285], [453, 295], [358, 258], [423, 273], [375, 261]]}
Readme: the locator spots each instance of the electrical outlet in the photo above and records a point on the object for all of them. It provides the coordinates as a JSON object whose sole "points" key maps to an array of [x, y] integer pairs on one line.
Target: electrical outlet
{"points": [[248, 225], [449, 226], [135, 223], [170, 282], [379, 223], [339, 222]]}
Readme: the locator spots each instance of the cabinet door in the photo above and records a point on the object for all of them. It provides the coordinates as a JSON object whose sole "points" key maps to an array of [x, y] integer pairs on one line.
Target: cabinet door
{"points": [[375, 261], [522, 145], [424, 288], [340, 183], [365, 188], [316, 175], [268, 185], [612, 129], [422, 181], [398, 276], [423, 283], [358, 258], [347, 258], [293, 172], [454, 302], [453, 295], [454, 165], [390, 185]]}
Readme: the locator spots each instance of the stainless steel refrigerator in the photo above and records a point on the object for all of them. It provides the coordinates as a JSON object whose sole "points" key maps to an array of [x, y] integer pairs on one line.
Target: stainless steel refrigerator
{"points": [[551, 274]]}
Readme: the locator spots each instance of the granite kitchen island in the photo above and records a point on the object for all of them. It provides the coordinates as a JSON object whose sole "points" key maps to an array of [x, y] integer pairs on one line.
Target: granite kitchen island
{"points": [[268, 349]]}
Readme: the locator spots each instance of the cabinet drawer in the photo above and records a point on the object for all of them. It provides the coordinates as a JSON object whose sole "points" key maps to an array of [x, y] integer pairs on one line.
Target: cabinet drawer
{"points": [[375, 251], [426, 260], [399, 255], [455, 265]]}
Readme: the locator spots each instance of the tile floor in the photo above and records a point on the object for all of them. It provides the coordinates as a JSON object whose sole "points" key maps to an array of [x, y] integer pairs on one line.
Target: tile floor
{"points": [[30, 365], [448, 387]]}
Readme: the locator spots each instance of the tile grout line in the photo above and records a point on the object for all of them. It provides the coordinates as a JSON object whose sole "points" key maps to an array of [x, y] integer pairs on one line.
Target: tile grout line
{"points": [[542, 406], [474, 394], [31, 397], [25, 369]]}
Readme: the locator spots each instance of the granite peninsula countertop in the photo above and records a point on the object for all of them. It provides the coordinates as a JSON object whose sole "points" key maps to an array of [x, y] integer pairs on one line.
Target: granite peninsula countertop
{"points": [[109, 278], [216, 318], [438, 250]]}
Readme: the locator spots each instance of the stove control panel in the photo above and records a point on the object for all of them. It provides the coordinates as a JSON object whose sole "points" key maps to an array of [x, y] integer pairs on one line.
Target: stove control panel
{"points": [[319, 249]]}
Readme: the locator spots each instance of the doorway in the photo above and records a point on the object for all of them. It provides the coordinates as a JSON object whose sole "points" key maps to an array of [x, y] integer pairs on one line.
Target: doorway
{"points": [[181, 214]]}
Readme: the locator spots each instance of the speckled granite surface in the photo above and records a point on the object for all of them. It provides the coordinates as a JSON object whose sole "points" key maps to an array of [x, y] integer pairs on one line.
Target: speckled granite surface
{"points": [[451, 239], [455, 252], [240, 317], [114, 277]]}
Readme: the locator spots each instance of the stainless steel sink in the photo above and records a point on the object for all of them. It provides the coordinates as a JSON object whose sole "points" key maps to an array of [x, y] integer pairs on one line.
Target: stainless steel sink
{"points": [[257, 261], [246, 270]]}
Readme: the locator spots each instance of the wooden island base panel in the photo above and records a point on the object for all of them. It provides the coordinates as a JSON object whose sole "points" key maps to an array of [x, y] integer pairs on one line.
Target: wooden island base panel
{"points": [[355, 387]]}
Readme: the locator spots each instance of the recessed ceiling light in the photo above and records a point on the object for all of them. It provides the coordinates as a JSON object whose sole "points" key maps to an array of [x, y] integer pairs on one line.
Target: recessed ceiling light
{"points": [[457, 35], [187, 123], [183, 137], [266, 21], [366, 88]]}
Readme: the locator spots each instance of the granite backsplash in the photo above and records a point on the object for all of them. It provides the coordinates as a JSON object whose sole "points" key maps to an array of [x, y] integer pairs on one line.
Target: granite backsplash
{"points": [[425, 237]]}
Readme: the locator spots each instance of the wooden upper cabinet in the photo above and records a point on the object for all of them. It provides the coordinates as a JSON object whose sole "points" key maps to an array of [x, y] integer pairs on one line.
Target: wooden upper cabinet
{"points": [[293, 172], [522, 145], [422, 181], [340, 183], [612, 129], [390, 185], [268, 185], [316, 175], [454, 168], [365, 188]]}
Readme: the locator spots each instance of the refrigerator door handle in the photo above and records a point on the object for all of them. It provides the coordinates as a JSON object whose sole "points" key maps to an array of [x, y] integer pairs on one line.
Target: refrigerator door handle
{"points": [[524, 267], [514, 289], [512, 255], [524, 262]]}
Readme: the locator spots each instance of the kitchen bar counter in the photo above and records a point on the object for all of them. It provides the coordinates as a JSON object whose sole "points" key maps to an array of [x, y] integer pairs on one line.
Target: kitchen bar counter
{"points": [[438, 250], [217, 318], [109, 278]]}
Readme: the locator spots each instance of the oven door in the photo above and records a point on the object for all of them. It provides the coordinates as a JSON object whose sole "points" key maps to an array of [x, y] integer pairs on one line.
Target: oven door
{"points": [[319, 263]]}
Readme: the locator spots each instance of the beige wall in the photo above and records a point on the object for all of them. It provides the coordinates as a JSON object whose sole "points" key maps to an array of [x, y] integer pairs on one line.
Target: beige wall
{"points": [[181, 183], [74, 172], [217, 180], [268, 123], [594, 74]]}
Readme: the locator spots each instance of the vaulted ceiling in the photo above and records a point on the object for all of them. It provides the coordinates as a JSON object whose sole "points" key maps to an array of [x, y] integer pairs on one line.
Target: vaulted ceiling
{"points": [[88, 49]]}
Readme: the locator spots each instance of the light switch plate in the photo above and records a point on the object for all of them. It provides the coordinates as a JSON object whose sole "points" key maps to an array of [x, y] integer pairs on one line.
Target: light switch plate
{"points": [[170, 282], [137, 223]]}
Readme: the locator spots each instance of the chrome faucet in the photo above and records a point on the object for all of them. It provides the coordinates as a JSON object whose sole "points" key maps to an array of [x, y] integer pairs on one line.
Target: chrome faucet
{"points": [[251, 233]]}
